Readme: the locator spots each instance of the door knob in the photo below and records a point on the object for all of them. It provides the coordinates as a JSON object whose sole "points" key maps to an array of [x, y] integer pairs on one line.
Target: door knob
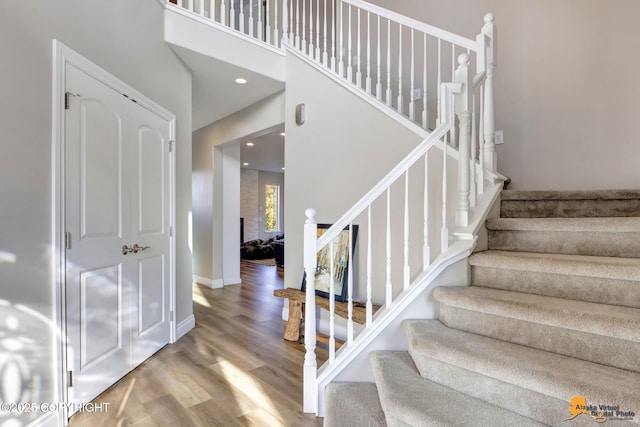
{"points": [[137, 248], [127, 250]]}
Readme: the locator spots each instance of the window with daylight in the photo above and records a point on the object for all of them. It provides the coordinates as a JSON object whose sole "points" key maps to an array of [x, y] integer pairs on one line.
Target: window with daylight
{"points": [[272, 208]]}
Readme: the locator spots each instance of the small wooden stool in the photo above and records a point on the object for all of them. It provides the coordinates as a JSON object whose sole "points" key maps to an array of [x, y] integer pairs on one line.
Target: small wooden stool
{"points": [[296, 311]]}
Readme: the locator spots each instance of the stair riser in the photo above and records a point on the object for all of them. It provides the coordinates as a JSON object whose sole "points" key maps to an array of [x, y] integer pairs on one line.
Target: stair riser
{"points": [[569, 208], [567, 242], [520, 400], [582, 288], [583, 345]]}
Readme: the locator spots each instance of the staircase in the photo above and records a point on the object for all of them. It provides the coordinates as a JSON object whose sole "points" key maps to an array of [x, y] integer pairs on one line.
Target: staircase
{"points": [[549, 329]]}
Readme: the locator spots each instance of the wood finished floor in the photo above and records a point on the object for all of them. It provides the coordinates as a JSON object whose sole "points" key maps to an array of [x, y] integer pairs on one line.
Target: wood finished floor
{"points": [[232, 369]]}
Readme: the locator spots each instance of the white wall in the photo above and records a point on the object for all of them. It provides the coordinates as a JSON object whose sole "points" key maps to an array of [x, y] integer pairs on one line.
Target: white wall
{"points": [[335, 157], [126, 39], [566, 86], [258, 119]]}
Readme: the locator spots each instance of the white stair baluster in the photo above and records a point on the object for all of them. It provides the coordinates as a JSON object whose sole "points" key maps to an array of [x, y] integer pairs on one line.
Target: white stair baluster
{"points": [[267, 19], [201, 7], [490, 158], [369, 304], [368, 79], [349, 54], [438, 83], [349, 267], [412, 104], [312, 47], [400, 106], [304, 29], [318, 58], [190, 5], [425, 108], [406, 267], [389, 91], [332, 304], [379, 65], [297, 39], [389, 286], [474, 151], [223, 13], [310, 399], [481, 143], [325, 53], [259, 26], [241, 18], [212, 10], [426, 249], [359, 55], [285, 19], [232, 14], [341, 50], [333, 37]]}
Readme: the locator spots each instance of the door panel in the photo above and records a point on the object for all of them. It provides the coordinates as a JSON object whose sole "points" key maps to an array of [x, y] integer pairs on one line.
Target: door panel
{"points": [[151, 296], [151, 152], [100, 315], [100, 169]]}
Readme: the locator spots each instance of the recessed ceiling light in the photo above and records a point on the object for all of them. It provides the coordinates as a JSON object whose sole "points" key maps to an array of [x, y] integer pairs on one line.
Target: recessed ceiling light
{"points": [[245, 164], [249, 144], [241, 81], [282, 134]]}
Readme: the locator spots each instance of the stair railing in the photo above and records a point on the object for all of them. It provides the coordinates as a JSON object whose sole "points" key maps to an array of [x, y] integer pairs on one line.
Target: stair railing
{"points": [[396, 60], [462, 121]]}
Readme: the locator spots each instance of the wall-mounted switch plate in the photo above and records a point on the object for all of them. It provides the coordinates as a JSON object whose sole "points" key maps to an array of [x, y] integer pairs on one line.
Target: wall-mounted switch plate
{"points": [[417, 94], [499, 137]]}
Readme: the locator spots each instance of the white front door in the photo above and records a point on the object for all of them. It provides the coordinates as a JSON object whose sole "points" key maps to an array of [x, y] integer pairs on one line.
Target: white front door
{"points": [[117, 198]]}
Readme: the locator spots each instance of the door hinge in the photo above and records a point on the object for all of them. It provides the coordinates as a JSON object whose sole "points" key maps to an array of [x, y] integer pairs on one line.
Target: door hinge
{"points": [[67, 97], [67, 240], [171, 231], [69, 379], [171, 141], [171, 316]]}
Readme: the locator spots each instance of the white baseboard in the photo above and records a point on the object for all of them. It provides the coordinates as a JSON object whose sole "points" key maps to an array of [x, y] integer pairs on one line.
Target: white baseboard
{"points": [[213, 284], [185, 326], [234, 281]]}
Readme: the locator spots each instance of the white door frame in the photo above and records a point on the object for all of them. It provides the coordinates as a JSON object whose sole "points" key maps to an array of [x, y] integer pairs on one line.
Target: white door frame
{"points": [[62, 56]]}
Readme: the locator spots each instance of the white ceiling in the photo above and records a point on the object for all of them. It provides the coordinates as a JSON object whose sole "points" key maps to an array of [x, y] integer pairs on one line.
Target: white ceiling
{"points": [[266, 154], [217, 95], [215, 92]]}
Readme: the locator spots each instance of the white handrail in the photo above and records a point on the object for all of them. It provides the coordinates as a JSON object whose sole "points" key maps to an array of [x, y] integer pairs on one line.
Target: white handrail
{"points": [[415, 24]]}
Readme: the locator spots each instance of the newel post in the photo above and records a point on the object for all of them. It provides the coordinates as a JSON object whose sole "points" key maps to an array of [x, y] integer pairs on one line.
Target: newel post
{"points": [[462, 108], [490, 53], [310, 403]]}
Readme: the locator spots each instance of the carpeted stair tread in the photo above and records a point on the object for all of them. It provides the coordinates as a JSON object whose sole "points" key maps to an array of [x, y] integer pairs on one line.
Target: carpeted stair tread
{"points": [[599, 333], [532, 382], [409, 399], [595, 225], [570, 204], [575, 265], [619, 237], [623, 194], [603, 319], [353, 404], [605, 280]]}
